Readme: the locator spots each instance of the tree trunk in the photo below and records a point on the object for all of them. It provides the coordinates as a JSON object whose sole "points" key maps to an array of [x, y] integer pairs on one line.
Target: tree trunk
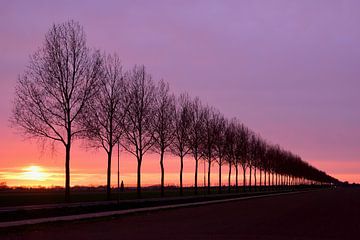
{"points": [[288, 182], [237, 177], [118, 173], [138, 186], [260, 183], [162, 171], [229, 179], [196, 174], [67, 171], [255, 177], [284, 179], [265, 178], [108, 182], [220, 175], [279, 179], [250, 170], [181, 173], [244, 179], [209, 171]]}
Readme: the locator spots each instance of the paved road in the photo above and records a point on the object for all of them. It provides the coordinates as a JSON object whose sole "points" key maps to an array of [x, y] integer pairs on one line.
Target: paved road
{"points": [[327, 214]]}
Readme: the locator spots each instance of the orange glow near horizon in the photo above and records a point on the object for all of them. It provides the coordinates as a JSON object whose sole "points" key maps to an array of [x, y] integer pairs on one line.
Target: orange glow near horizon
{"points": [[36, 176], [33, 173], [33, 165]]}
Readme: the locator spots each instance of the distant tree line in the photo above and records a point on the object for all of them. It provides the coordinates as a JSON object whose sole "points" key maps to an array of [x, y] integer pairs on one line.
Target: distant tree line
{"points": [[69, 92]]}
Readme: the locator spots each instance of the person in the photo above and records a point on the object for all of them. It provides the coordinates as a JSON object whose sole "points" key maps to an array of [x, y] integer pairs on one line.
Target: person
{"points": [[122, 186]]}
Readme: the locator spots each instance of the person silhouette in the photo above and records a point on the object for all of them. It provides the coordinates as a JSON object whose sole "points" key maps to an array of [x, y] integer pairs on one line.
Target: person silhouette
{"points": [[122, 186]]}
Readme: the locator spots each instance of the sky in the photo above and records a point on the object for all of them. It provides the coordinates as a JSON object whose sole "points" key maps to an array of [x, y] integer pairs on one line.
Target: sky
{"points": [[288, 69]]}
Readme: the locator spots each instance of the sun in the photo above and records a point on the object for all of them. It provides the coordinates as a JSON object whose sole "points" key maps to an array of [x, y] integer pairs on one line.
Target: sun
{"points": [[34, 173]]}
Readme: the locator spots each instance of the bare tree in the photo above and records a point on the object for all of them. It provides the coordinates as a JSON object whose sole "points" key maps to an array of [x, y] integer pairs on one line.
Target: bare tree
{"points": [[103, 118], [196, 134], [254, 149], [220, 127], [230, 162], [163, 124], [138, 130], [59, 81], [209, 140], [230, 147], [179, 146], [251, 156], [262, 160], [242, 149]]}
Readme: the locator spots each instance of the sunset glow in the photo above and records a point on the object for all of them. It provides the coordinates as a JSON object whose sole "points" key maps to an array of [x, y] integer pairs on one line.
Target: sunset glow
{"points": [[34, 173]]}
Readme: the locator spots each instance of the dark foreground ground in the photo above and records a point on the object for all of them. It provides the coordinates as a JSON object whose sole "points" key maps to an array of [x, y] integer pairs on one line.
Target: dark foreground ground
{"points": [[36, 196], [324, 214]]}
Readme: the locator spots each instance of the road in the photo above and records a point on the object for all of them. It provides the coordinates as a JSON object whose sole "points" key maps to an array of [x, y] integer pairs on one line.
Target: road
{"points": [[324, 214]]}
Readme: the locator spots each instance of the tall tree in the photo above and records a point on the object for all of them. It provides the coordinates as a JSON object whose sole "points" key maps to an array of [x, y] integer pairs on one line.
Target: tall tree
{"points": [[254, 149], [59, 82], [195, 138], [103, 118], [179, 146], [138, 130], [262, 154], [209, 140], [220, 127], [251, 156], [242, 149], [164, 123], [230, 147]]}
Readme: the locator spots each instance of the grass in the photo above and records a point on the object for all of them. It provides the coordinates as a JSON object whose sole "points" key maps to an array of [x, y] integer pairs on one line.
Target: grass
{"points": [[50, 196], [150, 194]]}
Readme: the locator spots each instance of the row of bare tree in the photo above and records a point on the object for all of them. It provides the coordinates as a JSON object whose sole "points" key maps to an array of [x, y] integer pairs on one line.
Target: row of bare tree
{"points": [[69, 91]]}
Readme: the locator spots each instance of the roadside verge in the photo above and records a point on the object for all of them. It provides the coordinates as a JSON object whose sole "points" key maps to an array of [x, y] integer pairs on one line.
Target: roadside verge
{"points": [[136, 210]]}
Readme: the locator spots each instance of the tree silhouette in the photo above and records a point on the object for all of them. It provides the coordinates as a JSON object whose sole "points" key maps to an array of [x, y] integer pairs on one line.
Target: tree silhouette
{"points": [[196, 133], [251, 156], [230, 147], [209, 139], [220, 144], [59, 82], [179, 147], [68, 92], [138, 130], [103, 118], [254, 155], [262, 161], [163, 123], [242, 151]]}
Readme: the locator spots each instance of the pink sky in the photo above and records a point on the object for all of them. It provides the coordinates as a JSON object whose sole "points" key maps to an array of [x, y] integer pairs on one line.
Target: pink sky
{"points": [[288, 69]]}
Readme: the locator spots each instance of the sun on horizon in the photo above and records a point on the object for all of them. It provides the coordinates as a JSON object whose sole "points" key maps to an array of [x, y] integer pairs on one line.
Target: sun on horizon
{"points": [[34, 173]]}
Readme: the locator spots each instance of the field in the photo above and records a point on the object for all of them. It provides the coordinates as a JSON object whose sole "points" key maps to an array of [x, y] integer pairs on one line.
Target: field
{"points": [[49, 196], [39, 203], [323, 214]]}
